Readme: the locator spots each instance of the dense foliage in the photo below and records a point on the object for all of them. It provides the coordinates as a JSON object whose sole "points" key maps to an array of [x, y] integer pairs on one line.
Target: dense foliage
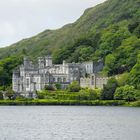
{"points": [[127, 93], [83, 94], [6, 68], [109, 89], [74, 87], [1, 96]]}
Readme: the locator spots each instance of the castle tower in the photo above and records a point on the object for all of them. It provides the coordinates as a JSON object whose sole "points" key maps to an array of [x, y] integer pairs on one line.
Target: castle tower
{"points": [[48, 61], [41, 62], [64, 66], [15, 81], [25, 62]]}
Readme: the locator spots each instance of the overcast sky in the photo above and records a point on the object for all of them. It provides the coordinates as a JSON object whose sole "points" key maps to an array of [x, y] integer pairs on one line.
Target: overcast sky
{"points": [[25, 18]]}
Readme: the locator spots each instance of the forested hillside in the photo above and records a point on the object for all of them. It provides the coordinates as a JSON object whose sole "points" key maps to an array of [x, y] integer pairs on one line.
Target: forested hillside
{"points": [[109, 31]]}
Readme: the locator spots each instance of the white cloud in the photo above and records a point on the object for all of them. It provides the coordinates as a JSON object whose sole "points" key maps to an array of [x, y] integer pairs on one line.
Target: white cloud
{"points": [[24, 18]]}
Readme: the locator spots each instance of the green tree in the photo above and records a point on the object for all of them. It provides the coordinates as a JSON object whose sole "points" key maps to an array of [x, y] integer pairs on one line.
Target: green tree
{"points": [[134, 77], [109, 64], [74, 87], [10, 93], [137, 31], [1, 95], [58, 86], [6, 68], [123, 79], [40, 95], [133, 25], [4, 77], [49, 87], [82, 53], [109, 89], [119, 95], [90, 94], [126, 92]]}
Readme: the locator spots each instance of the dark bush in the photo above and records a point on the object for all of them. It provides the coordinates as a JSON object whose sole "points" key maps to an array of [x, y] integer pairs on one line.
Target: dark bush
{"points": [[74, 87], [109, 89], [49, 87]]}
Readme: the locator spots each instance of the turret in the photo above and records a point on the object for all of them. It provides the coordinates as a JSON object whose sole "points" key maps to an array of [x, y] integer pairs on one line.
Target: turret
{"points": [[64, 62], [48, 61], [15, 81], [41, 62], [25, 62], [64, 66]]}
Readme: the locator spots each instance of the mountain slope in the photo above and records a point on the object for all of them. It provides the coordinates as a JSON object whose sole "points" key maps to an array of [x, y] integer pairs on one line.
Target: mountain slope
{"points": [[101, 32], [98, 17]]}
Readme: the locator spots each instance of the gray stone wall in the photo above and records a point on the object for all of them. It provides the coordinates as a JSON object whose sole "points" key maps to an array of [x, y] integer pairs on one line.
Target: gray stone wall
{"points": [[93, 67], [94, 81]]}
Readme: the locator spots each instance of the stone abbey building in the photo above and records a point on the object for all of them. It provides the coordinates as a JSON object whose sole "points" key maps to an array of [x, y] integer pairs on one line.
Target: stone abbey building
{"points": [[31, 77]]}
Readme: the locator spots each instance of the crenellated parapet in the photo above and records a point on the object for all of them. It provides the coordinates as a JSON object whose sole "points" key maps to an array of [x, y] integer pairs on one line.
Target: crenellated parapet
{"points": [[94, 81]]}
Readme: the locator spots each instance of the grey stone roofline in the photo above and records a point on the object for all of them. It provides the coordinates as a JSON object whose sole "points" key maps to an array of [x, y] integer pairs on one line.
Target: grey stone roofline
{"points": [[35, 67]]}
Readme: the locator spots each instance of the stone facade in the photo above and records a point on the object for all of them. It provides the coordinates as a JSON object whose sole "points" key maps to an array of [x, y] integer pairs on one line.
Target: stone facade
{"points": [[94, 81], [31, 77], [93, 67]]}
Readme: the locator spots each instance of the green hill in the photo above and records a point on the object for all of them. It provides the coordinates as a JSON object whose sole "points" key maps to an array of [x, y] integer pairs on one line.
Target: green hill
{"points": [[110, 31]]}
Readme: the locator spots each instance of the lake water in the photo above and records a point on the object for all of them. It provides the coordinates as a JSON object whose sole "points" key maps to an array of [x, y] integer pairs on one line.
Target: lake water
{"points": [[69, 123]]}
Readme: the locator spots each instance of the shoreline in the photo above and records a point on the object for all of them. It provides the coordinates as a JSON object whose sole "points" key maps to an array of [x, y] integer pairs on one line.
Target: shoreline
{"points": [[44, 102]]}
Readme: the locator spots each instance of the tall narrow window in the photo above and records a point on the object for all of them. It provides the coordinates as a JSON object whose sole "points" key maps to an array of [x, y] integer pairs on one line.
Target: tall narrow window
{"points": [[64, 80], [27, 81], [59, 79], [92, 80], [53, 79]]}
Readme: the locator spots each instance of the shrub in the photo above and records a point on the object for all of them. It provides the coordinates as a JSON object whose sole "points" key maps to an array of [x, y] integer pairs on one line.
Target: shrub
{"points": [[40, 95], [2, 88], [74, 87], [138, 94], [89, 93], [10, 93], [58, 86], [126, 92], [1, 95], [118, 93], [20, 98], [109, 89], [49, 87], [123, 79]]}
